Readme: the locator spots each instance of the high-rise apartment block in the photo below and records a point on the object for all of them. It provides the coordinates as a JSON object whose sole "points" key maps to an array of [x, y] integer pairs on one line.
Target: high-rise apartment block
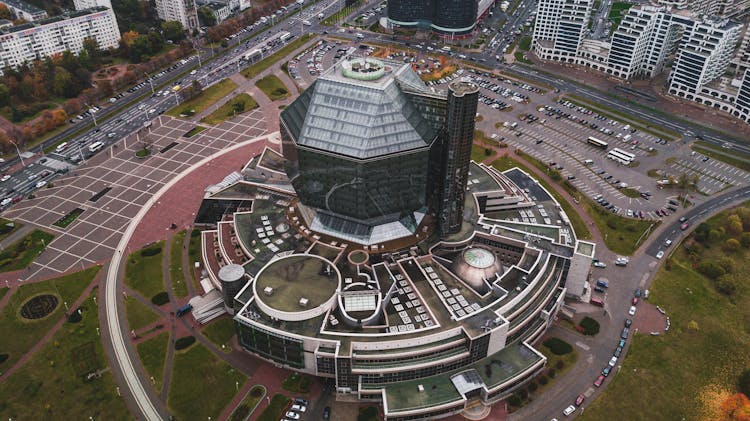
{"points": [[560, 27], [88, 4], [23, 10], [183, 11], [40, 39]]}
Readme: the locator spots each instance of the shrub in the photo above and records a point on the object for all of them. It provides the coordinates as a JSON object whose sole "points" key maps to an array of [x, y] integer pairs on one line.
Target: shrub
{"points": [[543, 380], [75, 317], [3, 357], [195, 233], [731, 245], [514, 400], [240, 413], [590, 326], [726, 263], [710, 269], [160, 298], [304, 384], [151, 251], [743, 383], [745, 239], [184, 342], [727, 285], [551, 373], [533, 387], [560, 365], [558, 347], [523, 394]]}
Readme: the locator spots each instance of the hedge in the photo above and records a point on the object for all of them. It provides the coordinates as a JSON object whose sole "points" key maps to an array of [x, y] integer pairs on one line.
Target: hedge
{"points": [[558, 347]]}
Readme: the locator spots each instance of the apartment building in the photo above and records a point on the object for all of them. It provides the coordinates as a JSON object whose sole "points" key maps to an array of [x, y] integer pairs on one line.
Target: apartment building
{"points": [[22, 10], [560, 28], [88, 4], [40, 39], [183, 11]]}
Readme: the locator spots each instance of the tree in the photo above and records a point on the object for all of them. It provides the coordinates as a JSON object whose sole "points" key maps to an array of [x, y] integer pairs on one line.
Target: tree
{"points": [[744, 382], [4, 12], [745, 240], [62, 82], [736, 407], [4, 95], [731, 245], [91, 46], [727, 285], [173, 30], [710, 269], [206, 16]]}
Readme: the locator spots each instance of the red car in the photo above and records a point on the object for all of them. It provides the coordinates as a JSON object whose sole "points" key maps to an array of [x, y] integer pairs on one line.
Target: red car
{"points": [[579, 400], [635, 300], [599, 380]]}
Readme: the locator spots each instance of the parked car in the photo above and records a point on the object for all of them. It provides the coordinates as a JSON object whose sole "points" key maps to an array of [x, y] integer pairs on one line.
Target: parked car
{"points": [[569, 410], [606, 371], [579, 400], [599, 380], [631, 311]]}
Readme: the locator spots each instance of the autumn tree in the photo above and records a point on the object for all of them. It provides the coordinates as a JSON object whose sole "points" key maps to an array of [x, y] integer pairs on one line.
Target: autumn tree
{"points": [[737, 407]]}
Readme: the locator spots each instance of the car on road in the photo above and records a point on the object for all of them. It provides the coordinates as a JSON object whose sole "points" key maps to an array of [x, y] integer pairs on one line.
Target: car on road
{"points": [[631, 311], [111, 135], [625, 332], [327, 412], [660, 254], [599, 289], [301, 401], [579, 400], [602, 283], [637, 293], [618, 352], [628, 322], [41, 184], [635, 300], [684, 226], [600, 264], [683, 219], [569, 410], [599, 380], [6, 177], [667, 243]]}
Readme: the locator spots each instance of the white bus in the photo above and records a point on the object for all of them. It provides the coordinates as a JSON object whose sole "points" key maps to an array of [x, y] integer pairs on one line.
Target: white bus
{"points": [[618, 155], [95, 146], [61, 147], [285, 36], [596, 142]]}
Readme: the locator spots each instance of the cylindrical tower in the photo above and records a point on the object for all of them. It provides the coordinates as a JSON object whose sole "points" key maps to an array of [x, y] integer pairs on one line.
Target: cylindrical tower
{"points": [[232, 278], [455, 16], [459, 135]]}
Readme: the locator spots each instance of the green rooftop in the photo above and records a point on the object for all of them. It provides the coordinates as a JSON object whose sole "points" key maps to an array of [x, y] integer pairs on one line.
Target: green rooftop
{"points": [[293, 278]]}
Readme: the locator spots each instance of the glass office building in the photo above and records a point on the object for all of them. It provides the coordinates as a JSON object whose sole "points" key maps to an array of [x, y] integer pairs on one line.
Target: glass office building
{"points": [[360, 143], [449, 17]]}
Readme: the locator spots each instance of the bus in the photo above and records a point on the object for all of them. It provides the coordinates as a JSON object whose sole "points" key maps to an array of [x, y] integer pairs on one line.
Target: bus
{"points": [[618, 155], [596, 142], [95, 146], [285, 36]]}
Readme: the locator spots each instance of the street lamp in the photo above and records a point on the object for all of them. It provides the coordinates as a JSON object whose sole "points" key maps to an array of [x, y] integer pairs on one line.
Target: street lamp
{"points": [[92, 112], [17, 151], [150, 82]]}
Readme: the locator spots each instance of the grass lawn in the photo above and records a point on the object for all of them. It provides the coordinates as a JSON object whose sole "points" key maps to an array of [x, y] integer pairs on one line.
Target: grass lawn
{"points": [[220, 331], [194, 131], [579, 226], [273, 411], [269, 61], [153, 355], [525, 43], [689, 371], [144, 274], [3, 291], [237, 105], [478, 153], [21, 253], [26, 333], [194, 251], [247, 406], [731, 157], [176, 274], [52, 385], [6, 229], [630, 192], [68, 218], [273, 87], [202, 385], [139, 315], [620, 234], [296, 383], [208, 97]]}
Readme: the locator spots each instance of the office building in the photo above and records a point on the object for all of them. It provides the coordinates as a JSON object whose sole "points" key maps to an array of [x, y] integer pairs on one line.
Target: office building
{"points": [[23, 10], [559, 28], [88, 4], [44, 38], [444, 17], [359, 143], [183, 11]]}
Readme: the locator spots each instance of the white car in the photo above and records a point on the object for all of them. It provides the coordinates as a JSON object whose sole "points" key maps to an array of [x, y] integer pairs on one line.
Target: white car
{"points": [[600, 264], [667, 243], [660, 254], [292, 415], [631, 311], [6, 201], [299, 408], [612, 361], [41, 184], [569, 410], [6, 177]]}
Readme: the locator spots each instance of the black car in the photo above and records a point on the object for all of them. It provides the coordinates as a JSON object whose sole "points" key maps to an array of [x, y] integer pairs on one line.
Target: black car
{"points": [[628, 322], [301, 401], [327, 413], [618, 352]]}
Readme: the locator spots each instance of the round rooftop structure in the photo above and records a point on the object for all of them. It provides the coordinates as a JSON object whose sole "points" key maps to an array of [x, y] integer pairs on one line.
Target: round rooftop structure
{"points": [[231, 273], [478, 258], [474, 265], [363, 68], [297, 287]]}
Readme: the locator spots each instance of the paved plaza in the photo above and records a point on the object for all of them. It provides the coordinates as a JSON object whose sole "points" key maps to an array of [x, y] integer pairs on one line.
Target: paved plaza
{"points": [[131, 182]]}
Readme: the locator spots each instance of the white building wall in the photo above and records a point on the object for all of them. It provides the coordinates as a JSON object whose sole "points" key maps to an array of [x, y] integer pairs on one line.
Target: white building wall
{"points": [[88, 4]]}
